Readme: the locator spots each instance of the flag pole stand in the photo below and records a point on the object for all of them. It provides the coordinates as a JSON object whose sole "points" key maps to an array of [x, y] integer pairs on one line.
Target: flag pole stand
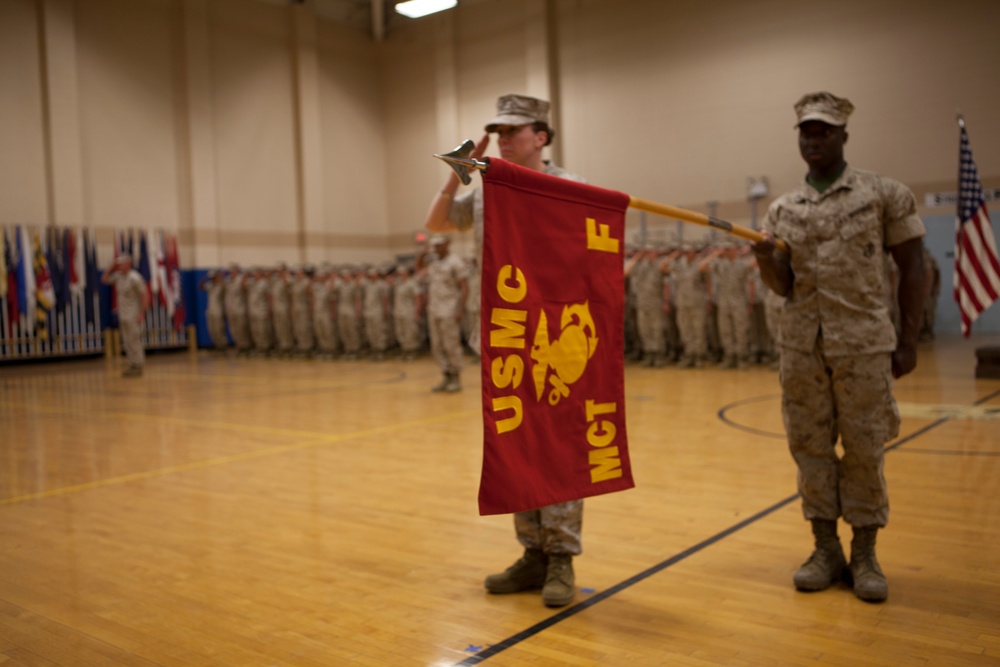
{"points": [[988, 362]]}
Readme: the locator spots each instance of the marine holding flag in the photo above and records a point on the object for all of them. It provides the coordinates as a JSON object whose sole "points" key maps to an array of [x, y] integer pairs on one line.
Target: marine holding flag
{"points": [[839, 348], [550, 535]]}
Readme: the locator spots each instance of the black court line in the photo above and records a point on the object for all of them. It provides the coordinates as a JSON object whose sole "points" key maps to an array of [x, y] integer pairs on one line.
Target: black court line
{"points": [[617, 588], [757, 399], [527, 633]]}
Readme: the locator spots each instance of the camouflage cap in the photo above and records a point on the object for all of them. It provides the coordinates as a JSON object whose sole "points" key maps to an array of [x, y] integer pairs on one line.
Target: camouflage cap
{"points": [[519, 110], [824, 107]]}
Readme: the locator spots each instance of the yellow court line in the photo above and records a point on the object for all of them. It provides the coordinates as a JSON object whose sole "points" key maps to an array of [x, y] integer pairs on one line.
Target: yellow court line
{"points": [[231, 379], [182, 421], [228, 426], [232, 458]]}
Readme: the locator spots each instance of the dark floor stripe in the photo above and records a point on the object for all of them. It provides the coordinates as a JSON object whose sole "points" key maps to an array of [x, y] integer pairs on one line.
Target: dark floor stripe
{"points": [[724, 418], [527, 633], [617, 588]]}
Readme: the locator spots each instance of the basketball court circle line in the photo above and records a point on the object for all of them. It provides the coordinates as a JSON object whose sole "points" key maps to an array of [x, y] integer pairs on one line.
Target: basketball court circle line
{"points": [[527, 633]]}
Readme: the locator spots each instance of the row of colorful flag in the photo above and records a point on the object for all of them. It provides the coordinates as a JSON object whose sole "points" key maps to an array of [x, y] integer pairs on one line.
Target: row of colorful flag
{"points": [[41, 270]]}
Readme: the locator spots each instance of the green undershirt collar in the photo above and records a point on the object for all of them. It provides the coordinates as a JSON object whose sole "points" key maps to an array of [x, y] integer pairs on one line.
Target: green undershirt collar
{"points": [[822, 184]]}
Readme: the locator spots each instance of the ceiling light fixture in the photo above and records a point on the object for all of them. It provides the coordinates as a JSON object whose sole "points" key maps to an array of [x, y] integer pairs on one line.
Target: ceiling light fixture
{"points": [[417, 8]]}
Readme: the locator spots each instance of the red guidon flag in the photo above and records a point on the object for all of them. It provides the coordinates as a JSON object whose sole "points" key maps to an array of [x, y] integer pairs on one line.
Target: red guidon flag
{"points": [[553, 312]]}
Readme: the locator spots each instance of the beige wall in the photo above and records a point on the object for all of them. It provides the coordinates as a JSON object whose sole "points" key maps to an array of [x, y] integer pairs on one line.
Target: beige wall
{"points": [[126, 115], [705, 91], [682, 101], [23, 191], [263, 132], [353, 146]]}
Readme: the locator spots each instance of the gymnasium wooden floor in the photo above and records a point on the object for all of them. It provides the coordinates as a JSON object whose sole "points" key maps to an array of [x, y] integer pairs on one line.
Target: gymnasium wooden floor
{"points": [[224, 511]]}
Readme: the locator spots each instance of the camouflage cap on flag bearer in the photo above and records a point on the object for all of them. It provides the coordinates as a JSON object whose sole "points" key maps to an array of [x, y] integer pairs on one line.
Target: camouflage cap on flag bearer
{"points": [[519, 110]]}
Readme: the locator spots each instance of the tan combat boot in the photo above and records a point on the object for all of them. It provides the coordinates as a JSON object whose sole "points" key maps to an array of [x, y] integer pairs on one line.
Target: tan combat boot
{"points": [[560, 582], [443, 384], [869, 581], [453, 384], [526, 574], [826, 564]]}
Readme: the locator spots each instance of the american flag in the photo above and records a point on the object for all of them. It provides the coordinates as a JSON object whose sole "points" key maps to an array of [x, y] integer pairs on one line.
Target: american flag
{"points": [[977, 269]]}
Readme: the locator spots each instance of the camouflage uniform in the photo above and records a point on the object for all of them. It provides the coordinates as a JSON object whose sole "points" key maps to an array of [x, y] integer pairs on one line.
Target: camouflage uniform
{"points": [[215, 314], [837, 338], [130, 291], [406, 312], [773, 305], [324, 316], [671, 331], [375, 306], [281, 315], [444, 294], [632, 345], [554, 529], [647, 281], [470, 322], [730, 278], [259, 308], [236, 312], [691, 299], [348, 314], [713, 339], [302, 324], [891, 300], [761, 341]]}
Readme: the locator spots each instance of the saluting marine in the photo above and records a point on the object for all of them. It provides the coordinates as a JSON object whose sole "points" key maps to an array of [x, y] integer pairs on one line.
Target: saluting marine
{"points": [[215, 315]]}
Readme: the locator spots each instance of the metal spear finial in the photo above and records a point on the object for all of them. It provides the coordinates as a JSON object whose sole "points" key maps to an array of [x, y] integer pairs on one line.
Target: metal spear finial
{"points": [[460, 161]]}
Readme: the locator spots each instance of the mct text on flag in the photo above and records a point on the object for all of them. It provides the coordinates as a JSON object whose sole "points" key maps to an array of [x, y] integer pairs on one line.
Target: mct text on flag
{"points": [[977, 268], [553, 303]]}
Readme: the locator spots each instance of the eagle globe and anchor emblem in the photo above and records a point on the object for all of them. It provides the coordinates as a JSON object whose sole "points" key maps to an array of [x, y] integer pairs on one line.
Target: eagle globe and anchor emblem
{"points": [[566, 356]]}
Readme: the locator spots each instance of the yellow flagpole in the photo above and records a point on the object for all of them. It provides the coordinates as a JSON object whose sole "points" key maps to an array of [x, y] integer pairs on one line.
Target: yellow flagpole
{"points": [[700, 219], [460, 161]]}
